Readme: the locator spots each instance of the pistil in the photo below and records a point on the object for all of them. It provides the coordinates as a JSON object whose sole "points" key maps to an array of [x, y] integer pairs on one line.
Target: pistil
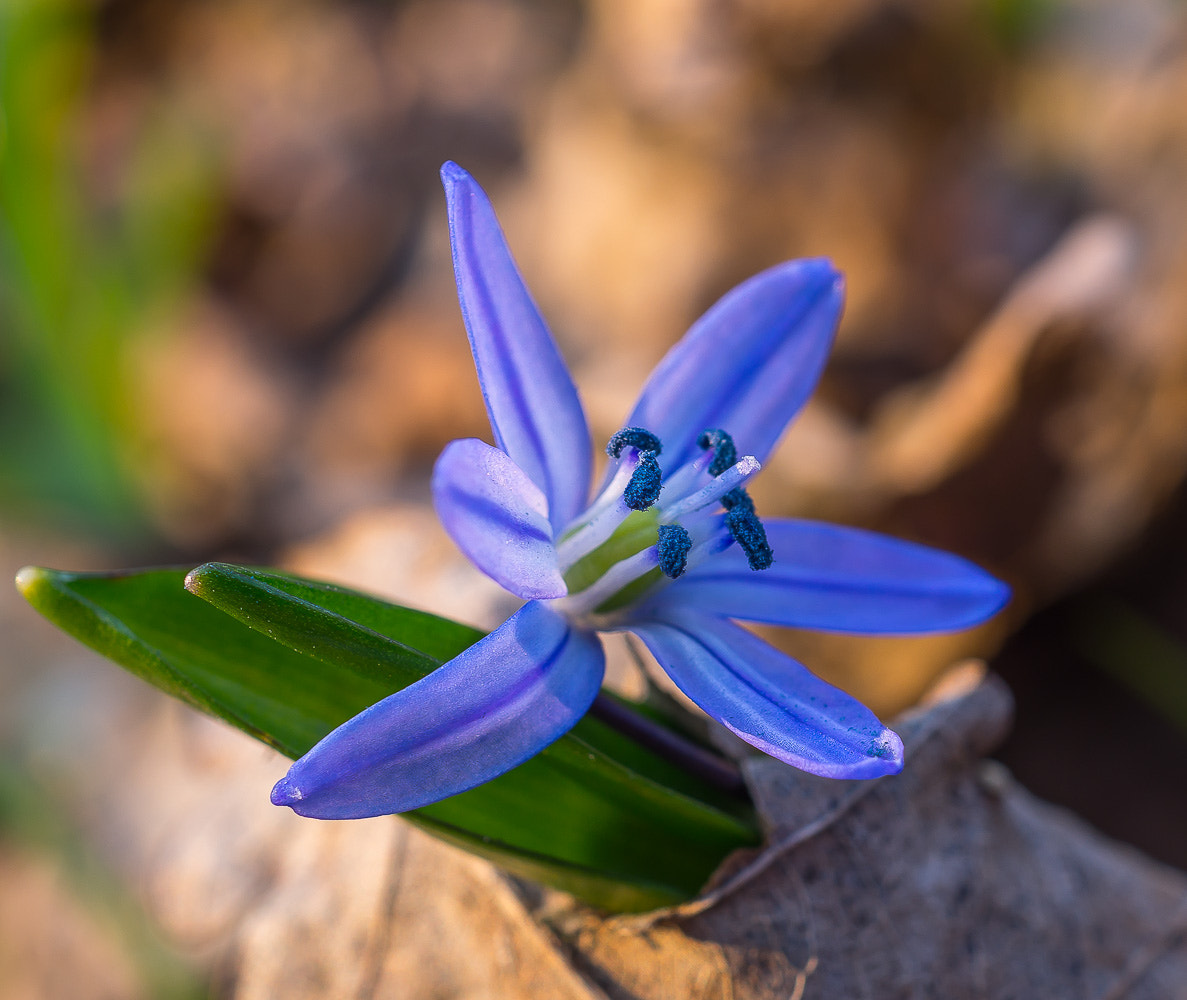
{"points": [[600, 596]]}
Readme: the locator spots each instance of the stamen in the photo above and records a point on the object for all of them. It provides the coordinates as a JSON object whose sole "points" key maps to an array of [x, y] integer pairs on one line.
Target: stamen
{"points": [[633, 437], [749, 533], [673, 548], [730, 481], [625, 543], [594, 532], [603, 517], [724, 452], [738, 499], [618, 576], [679, 481], [713, 544], [646, 482], [611, 494]]}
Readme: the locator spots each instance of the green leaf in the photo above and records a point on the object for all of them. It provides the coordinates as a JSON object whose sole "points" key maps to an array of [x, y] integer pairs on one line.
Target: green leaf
{"points": [[399, 645], [147, 622], [332, 623], [288, 659]]}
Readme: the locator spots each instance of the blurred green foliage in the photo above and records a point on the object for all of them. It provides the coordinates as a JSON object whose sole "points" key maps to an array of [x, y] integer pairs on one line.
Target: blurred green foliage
{"points": [[1129, 646], [1014, 24], [79, 281]]}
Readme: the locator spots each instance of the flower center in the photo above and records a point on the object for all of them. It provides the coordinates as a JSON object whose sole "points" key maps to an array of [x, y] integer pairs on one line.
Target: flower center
{"points": [[644, 527]]}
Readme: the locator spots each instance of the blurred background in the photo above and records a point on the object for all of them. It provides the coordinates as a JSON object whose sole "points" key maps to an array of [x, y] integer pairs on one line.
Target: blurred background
{"points": [[228, 329]]}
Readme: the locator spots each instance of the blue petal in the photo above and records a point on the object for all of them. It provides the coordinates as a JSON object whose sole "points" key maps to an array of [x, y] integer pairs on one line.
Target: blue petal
{"points": [[497, 517], [500, 702], [533, 406], [748, 364], [769, 699], [837, 579]]}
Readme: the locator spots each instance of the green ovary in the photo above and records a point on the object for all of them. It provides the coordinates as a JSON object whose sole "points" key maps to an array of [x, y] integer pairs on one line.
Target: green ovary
{"points": [[639, 531]]}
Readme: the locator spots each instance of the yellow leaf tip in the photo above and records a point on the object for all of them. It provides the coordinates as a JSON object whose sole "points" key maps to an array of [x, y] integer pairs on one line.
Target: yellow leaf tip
{"points": [[27, 578]]}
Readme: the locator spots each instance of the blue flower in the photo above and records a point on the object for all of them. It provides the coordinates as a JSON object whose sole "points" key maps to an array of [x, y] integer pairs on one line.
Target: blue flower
{"points": [[670, 548]]}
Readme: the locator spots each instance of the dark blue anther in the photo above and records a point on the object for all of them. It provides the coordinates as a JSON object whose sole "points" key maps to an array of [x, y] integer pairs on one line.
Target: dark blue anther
{"points": [[749, 533], [724, 452], [643, 489], [738, 499], [673, 548], [633, 437]]}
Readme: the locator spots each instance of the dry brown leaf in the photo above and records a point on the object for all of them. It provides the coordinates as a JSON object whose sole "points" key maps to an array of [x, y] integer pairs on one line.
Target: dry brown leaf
{"points": [[948, 880]]}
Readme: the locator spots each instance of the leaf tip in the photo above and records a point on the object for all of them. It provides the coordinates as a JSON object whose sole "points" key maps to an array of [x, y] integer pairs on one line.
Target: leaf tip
{"points": [[197, 580], [30, 580], [193, 580]]}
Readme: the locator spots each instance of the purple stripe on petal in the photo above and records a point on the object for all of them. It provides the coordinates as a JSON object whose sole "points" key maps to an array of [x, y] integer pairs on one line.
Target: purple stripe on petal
{"points": [[497, 517], [770, 700], [487, 710], [837, 579], [747, 365], [533, 406]]}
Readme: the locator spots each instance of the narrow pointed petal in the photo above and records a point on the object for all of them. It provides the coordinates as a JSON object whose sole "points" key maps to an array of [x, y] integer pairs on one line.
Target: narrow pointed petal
{"points": [[748, 364], [770, 700], [500, 702], [533, 406], [498, 517], [837, 579]]}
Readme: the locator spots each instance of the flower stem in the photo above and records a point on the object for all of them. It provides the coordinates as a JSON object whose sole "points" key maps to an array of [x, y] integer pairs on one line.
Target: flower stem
{"points": [[695, 759]]}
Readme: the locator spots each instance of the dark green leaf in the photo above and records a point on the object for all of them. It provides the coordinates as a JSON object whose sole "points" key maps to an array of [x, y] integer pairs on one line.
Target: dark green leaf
{"points": [[149, 624], [334, 623], [291, 659]]}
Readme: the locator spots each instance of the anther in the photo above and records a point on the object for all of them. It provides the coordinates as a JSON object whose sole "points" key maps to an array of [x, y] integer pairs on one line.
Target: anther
{"points": [[633, 437], [724, 452], [646, 482], [749, 533], [673, 547], [738, 499]]}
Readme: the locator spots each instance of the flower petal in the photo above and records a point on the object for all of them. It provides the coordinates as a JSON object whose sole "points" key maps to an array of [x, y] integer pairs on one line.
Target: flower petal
{"points": [[837, 579], [748, 364], [487, 710], [497, 517], [533, 406], [770, 700]]}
